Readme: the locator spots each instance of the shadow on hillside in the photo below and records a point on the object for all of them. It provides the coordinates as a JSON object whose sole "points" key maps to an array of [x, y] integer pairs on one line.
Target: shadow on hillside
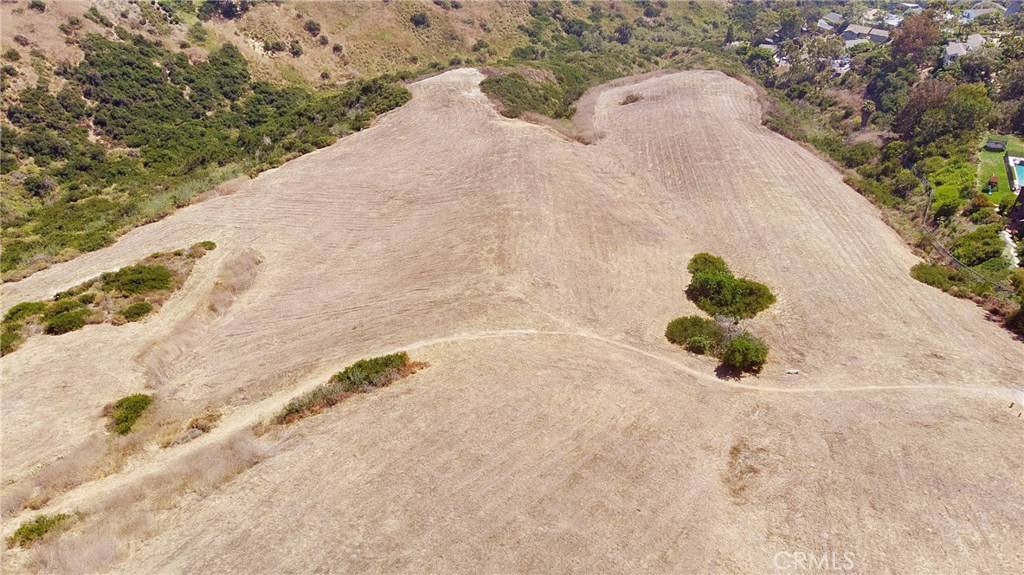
{"points": [[728, 373]]}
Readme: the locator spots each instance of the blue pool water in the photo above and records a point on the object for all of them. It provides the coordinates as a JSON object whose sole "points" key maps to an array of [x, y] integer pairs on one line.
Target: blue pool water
{"points": [[1019, 168]]}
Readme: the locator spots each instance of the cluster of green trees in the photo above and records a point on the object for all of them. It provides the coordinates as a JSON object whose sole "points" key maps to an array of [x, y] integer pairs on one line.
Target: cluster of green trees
{"points": [[135, 127], [715, 290]]}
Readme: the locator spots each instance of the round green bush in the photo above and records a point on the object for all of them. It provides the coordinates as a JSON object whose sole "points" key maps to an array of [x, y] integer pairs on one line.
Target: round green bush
{"points": [[66, 321], [721, 293], [137, 311], [705, 262], [700, 344], [126, 411], [745, 353], [24, 310], [682, 329]]}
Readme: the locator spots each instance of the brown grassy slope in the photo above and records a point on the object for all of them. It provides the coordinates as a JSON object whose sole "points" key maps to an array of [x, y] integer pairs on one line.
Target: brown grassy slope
{"points": [[377, 37], [445, 223]]}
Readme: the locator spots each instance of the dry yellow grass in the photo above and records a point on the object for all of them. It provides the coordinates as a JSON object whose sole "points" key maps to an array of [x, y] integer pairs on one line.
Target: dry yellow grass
{"points": [[556, 430]]}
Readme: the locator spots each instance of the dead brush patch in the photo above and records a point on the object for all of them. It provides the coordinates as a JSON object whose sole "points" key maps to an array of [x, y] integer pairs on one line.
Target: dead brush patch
{"points": [[565, 128], [198, 425], [631, 98], [98, 456], [111, 526], [745, 465]]}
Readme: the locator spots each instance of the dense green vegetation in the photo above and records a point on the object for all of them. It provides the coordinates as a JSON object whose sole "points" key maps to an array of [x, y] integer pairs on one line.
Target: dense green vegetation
{"points": [[697, 334], [715, 290], [31, 531], [360, 377], [570, 47], [137, 279], [745, 353], [126, 411], [926, 120], [136, 130]]}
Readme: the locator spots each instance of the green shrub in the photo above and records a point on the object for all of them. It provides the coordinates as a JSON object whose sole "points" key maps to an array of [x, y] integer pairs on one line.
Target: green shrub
{"points": [[719, 293], [682, 329], [359, 377], [367, 373], [137, 311], [31, 531], [745, 353], [62, 306], [137, 279], [87, 298], [942, 277], [978, 246], [207, 245], [705, 262], [715, 290], [126, 411], [24, 310], [67, 321], [701, 344], [10, 338]]}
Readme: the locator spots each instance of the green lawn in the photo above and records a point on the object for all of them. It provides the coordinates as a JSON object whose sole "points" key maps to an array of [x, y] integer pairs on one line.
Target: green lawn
{"points": [[993, 163]]}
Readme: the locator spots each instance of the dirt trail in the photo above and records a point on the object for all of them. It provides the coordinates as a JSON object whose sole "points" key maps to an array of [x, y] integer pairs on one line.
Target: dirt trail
{"points": [[536, 275]]}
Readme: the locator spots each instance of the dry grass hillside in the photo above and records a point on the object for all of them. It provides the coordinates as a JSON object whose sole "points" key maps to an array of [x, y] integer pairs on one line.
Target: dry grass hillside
{"points": [[554, 429], [355, 39]]}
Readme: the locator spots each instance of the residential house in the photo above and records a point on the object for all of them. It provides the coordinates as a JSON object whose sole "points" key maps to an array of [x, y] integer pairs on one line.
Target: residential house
{"points": [[834, 19], [854, 31], [893, 20], [878, 36], [871, 16], [955, 50], [824, 26], [975, 13]]}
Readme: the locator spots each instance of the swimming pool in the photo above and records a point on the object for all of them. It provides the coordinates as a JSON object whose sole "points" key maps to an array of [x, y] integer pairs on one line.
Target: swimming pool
{"points": [[1019, 169]]}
